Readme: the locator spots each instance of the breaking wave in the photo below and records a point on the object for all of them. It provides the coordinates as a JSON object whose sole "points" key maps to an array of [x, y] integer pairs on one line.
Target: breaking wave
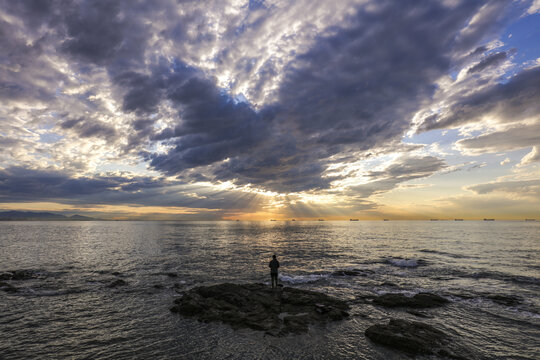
{"points": [[405, 263]]}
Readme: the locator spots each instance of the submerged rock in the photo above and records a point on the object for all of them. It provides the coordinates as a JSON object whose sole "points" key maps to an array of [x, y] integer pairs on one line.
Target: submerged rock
{"points": [[19, 275], [353, 272], [116, 283], [421, 300], [7, 287], [415, 338], [256, 306]]}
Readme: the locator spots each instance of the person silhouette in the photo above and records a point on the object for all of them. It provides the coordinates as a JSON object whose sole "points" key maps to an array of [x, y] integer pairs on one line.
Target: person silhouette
{"points": [[274, 265]]}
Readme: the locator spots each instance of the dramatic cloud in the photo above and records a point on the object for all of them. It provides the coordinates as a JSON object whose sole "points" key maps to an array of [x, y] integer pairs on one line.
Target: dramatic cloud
{"points": [[491, 60], [513, 101], [139, 102], [511, 138], [529, 188], [402, 170], [340, 94], [27, 185]]}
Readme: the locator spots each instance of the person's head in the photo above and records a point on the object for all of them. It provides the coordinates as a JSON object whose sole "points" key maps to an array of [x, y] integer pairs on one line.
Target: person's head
{"points": [[273, 256]]}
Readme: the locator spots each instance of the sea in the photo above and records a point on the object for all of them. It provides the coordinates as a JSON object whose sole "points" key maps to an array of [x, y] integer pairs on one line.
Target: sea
{"points": [[104, 289]]}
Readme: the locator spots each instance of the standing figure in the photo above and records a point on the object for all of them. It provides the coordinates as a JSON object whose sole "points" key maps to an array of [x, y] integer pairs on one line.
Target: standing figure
{"points": [[274, 265]]}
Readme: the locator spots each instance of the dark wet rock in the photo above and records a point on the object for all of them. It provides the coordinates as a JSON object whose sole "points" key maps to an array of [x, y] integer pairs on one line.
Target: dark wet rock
{"points": [[506, 300], [6, 276], [19, 275], [354, 272], [415, 338], [7, 287], [172, 275], [256, 306], [421, 300], [117, 283]]}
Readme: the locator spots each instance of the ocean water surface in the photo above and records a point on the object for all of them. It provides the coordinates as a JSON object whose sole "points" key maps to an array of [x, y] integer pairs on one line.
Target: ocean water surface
{"points": [[73, 304]]}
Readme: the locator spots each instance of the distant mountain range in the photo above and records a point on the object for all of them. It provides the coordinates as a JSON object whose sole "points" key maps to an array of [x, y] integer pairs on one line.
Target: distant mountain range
{"points": [[30, 215]]}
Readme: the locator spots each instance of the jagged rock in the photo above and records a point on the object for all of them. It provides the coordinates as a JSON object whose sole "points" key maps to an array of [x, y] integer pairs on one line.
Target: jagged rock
{"points": [[116, 283], [415, 338], [421, 300], [256, 306]]}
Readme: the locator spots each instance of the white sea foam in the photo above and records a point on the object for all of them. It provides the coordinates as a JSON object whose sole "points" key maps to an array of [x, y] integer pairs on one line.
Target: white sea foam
{"points": [[410, 263]]}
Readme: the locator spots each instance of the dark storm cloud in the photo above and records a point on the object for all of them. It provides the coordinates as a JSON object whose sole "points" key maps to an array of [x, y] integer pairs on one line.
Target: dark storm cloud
{"points": [[35, 12], [516, 100], [94, 31], [20, 68], [144, 93], [18, 184], [104, 31], [362, 85], [356, 89], [212, 125], [491, 60], [90, 128], [22, 183]]}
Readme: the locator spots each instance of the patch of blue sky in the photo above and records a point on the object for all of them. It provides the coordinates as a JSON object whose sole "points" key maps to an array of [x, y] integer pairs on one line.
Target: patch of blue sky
{"points": [[442, 137], [240, 98], [256, 4], [50, 138], [524, 35]]}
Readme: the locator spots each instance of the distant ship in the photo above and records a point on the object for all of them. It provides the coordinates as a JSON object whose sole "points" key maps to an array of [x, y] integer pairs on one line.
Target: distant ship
{"points": [[434, 220], [458, 219], [386, 220], [321, 219], [489, 219], [353, 219], [530, 220], [272, 219]]}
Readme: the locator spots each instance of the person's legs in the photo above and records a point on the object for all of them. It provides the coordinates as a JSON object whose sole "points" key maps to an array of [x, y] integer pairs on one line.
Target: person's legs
{"points": [[274, 280]]}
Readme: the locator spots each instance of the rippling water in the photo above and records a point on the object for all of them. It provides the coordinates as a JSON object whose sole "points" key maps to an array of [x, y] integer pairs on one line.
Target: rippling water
{"points": [[70, 308]]}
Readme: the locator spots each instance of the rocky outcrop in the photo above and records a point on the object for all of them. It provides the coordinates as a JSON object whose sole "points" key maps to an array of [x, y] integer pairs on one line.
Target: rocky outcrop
{"points": [[421, 300], [415, 338], [256, 306]]}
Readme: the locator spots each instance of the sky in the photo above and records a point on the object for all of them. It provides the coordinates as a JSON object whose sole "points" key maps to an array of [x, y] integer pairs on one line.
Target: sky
{"points": [[257, 110]]}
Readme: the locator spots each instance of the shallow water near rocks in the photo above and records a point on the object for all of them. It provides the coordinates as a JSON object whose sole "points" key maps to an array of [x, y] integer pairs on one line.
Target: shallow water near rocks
{"points": [[73, 306]]}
